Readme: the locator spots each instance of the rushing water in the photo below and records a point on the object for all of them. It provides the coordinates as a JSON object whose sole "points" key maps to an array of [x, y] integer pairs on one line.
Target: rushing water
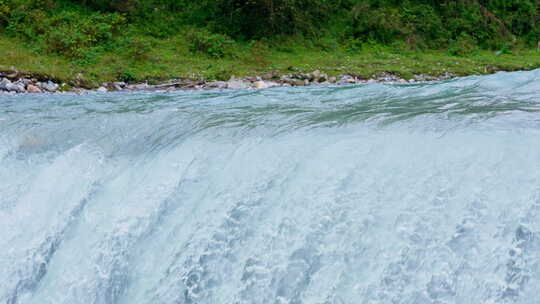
{"points": [[424, 193]]}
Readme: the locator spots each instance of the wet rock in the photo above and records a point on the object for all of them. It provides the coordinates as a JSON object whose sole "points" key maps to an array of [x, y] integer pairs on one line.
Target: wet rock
{"points": [[102, 89], [33, 89]]}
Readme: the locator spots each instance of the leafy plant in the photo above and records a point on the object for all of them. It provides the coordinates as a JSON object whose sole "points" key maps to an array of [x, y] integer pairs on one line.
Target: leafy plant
{"points": [[208, 43]]}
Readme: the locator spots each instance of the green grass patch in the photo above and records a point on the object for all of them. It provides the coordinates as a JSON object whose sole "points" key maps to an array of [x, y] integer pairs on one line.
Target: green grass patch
{"points": [[150, 59]]}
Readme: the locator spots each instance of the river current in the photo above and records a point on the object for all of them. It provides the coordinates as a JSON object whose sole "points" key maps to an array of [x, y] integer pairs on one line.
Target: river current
{"points": [[423, 193]]}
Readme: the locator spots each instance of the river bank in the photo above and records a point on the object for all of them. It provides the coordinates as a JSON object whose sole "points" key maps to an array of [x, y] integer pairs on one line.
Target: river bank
{"points": [[12, 82], [168, 68]]}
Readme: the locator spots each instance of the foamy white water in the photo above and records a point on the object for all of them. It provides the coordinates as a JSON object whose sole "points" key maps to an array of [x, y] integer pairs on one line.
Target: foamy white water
{"points": [[426, 193]]}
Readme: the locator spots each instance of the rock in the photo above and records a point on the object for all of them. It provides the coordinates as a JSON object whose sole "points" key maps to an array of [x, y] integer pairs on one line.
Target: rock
{"points": [[17, 87], [217, 85], [271, 84], [260, 84], [4, 83], [347, 79], [139, 86], [33, 89], [102, 89], [299, 82], [316, 75], [120, 84], [269, 76], [322, 78], [236, 84], [13, 75], [49, 86], [332, 79]]}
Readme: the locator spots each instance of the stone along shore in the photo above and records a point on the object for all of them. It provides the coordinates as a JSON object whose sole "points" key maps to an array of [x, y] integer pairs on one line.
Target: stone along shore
{"points": [[13, 82]]}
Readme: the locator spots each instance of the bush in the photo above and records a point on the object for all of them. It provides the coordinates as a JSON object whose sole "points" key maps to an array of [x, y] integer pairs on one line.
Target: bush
{"points": [[383, 24], [209, 44], [463, 46], [69, 32]]}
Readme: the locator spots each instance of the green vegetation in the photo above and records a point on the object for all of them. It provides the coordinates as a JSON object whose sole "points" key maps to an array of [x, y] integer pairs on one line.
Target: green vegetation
{"points": [[85, 42]]}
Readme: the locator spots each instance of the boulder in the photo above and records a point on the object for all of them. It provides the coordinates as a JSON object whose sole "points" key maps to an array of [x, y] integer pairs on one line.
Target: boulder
{"points": [[260, 84], [332, 79], [299, 82], [33, 89], [16, 87], [102, 89], [269, 76], [217, 85], [4, 82], [236, 84], [315, 75], [49, 86]]}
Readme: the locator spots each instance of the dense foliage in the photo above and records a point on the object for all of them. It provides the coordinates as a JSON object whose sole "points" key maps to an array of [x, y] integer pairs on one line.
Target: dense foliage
{"points": [[80, 28]]}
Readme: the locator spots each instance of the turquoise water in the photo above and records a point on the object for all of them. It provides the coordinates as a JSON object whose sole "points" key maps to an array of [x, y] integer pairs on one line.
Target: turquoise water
{"points": [[424, 193]]}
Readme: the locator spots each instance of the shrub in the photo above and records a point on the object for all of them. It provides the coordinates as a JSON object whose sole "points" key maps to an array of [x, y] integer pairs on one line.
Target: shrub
{"points": [[463, 46], [67, 32], [209, 44], [383, 24]]}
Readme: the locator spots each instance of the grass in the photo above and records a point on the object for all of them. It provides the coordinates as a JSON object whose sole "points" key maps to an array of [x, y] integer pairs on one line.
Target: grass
{"points": [[170, 58]]}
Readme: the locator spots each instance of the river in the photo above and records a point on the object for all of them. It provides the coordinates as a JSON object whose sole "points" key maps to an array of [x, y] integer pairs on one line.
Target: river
{"points": [[380, 193]]}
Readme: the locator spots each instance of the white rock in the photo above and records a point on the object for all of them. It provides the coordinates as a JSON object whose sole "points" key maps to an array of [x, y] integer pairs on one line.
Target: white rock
{"points": [[260, 84], [4, 83], [49, 86], [236, 84], [102, 89], [15, 87]]}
